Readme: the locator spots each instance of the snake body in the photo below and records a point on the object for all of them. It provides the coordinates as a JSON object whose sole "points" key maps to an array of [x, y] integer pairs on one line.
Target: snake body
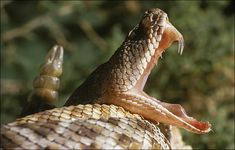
{"points": [[81, 127], [102, 112]]}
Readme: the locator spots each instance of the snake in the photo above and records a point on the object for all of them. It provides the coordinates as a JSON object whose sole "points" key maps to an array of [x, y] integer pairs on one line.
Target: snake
{"points": [[109, 109]]}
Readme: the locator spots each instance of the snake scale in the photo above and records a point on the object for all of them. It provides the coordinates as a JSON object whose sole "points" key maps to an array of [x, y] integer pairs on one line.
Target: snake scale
{"points": [[110, 109]]}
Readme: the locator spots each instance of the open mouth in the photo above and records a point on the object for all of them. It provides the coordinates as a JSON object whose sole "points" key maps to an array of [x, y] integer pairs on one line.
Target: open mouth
{"points": [[177, 115], [173, 114]]}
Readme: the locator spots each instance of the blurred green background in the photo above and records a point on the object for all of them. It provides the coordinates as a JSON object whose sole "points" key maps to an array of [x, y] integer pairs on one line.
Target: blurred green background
{"points": [[202, 79]]}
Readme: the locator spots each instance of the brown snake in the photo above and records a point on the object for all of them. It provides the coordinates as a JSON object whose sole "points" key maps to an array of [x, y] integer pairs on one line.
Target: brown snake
{"points": [[119, 81]]}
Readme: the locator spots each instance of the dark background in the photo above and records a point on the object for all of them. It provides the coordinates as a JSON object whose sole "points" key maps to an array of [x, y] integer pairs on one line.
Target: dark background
{"points": [[202, 79]]}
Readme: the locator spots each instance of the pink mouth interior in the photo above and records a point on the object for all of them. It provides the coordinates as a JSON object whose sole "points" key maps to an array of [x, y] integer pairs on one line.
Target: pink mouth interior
{"points": [[179, 111]]}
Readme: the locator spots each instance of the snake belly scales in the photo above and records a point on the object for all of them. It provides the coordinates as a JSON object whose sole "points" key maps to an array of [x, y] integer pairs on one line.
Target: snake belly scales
{"points": [[110, 109]]}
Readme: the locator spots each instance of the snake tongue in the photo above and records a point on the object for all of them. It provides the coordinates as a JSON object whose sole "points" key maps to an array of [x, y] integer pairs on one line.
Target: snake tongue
{"points": [[191, 123]]}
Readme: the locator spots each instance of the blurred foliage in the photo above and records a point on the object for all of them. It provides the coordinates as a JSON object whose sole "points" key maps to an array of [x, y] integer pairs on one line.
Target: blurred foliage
{"points": [[202, 79]]}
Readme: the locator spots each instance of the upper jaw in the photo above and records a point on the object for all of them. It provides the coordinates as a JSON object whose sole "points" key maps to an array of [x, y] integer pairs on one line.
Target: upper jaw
{"points": [[176, 36], [170, 35]]}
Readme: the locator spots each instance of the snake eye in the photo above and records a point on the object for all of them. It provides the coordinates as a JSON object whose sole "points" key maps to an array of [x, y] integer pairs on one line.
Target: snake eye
{"points": [[146, 21], [154, 17]]}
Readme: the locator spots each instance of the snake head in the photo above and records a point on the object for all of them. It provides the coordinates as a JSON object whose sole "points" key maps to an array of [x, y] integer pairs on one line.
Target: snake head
{"points": [[157, 32], [152, 35]]}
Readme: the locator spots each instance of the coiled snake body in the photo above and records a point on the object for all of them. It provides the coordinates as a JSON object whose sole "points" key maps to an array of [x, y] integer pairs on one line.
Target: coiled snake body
{"points": [[106, 110]]}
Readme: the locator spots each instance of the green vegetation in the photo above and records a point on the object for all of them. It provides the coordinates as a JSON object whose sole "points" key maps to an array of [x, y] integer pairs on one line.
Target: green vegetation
{"points": [[202, 79]]}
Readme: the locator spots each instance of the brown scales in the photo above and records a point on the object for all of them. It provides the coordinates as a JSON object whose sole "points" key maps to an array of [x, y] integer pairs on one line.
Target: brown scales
{"points": [[81, 127], [120, 81]]}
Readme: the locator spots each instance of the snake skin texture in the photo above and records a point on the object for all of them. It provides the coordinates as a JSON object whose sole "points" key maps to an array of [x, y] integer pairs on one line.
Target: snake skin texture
{"points": [[82, 127], [133, 57], [102, 111], [121, 80]]}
